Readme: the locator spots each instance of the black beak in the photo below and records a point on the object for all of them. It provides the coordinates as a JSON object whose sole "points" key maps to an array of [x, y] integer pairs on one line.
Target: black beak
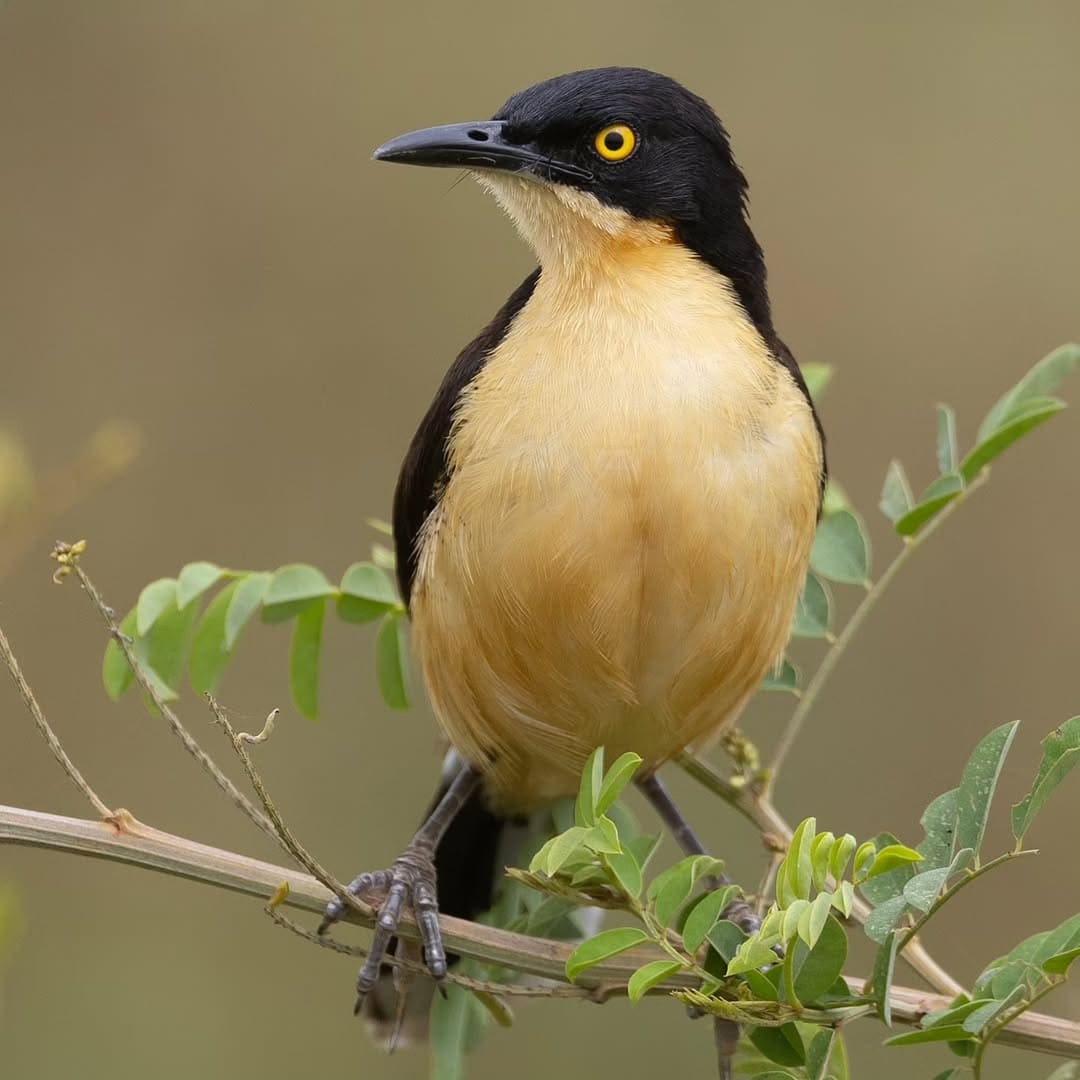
{"points": [[476, 146]]}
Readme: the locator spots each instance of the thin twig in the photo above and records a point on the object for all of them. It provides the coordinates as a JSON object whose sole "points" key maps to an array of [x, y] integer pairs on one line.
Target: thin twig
{"points": [[761, 813], [843, 640], [281, 832], [46, 731], [63, 554], [910, 934], [142, 846]]}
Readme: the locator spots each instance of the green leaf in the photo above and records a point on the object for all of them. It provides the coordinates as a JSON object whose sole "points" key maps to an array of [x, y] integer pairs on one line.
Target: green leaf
{"points": [[820, 850], [1059, 963], [645, 978], [813, 614], [249, 594], [881, 983], [782, 1045], [923, 889], [304, 659], [929, 508], [954, 1015], [560, 850], [155, 599], [725, 937], [979, 1018], [384, 557], [834, 499], [843, 899], [366, 593], [891, 858], [209, 655], [775, 1074], [951, 1033], [751, 955], [1023, 965], [896, 498], [456, 1022], [813, 919], [864, 856], [978, 783], [786, 677], [669, 891], [840, 856], [292, 588], [819, 1052], [603, 837], [602, 947], [884, 917], [796, 874], [627, 871], [950, 1074], [947, 454], [705, 915], [164, 650], [592, 778], [194, 580], [1043, 379], [816, 376], [1029, 415], [818, 968], [841, 550], [643, 848], [939, 824], [390, 651], [615, 780], [116, 673], [1061, 752]]}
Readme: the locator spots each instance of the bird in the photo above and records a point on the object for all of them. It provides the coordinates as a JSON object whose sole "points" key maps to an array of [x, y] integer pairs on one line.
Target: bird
{"points": [[604, 520]]}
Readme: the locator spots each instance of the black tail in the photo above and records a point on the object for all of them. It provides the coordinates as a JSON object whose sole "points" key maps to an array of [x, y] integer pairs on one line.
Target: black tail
{"points": [[468, 863], [466, 860]]}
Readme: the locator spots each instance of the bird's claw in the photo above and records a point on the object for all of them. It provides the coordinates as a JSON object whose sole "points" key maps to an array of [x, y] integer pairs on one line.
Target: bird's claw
{"points": [[410, 881]]}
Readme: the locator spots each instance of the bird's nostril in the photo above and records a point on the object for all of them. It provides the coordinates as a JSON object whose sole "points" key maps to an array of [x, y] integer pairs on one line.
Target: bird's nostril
{"points": [[478, 135]]}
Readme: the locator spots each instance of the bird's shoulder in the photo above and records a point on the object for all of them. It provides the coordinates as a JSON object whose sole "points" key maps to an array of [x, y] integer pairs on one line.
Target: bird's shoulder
{"points": [[424, 470]]}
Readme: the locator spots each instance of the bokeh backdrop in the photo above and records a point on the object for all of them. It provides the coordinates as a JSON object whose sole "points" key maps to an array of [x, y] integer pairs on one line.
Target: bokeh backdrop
{"points": [[193, 239]]}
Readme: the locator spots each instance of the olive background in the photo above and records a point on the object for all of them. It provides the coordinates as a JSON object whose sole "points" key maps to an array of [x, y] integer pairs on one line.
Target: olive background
{"points": [[193, 238]]}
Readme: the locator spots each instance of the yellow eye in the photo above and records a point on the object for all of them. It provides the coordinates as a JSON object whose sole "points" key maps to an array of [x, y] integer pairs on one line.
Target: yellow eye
{"points": [[615, 143]]}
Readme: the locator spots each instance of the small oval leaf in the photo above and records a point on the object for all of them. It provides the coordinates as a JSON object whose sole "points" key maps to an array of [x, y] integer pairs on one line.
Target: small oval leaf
{"points": [[645, 978], [194, 580], [390, 651], [155, 599], [602, 947]]}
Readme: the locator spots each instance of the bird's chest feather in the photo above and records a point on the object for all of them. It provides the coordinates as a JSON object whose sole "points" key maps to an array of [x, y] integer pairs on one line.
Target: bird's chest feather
{"points": [[617, 553]]}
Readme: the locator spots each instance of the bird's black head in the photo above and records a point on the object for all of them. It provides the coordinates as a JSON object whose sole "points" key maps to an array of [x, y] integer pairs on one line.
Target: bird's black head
{"points": [[633, 140]]}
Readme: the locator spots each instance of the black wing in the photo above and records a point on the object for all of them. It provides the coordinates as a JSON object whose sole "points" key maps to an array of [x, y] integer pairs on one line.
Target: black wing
{"points": [[424, 470], [783, 354]]}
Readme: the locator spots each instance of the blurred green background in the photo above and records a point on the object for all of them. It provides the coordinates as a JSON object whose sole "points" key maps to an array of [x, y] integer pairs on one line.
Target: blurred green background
{"points": [[193, 237]]}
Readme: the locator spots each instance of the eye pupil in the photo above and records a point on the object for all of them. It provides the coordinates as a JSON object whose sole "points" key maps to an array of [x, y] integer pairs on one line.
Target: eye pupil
{"points": [[614, 140]]}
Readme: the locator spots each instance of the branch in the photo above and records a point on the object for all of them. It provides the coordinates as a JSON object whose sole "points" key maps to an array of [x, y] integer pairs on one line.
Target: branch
{"points": [[127, 840]]}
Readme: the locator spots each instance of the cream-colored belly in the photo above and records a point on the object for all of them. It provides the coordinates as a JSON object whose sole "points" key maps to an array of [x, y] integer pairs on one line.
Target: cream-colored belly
{"points": [[618, 551]]}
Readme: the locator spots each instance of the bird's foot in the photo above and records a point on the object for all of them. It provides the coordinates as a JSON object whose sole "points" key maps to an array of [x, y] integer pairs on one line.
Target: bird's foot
{"points": [[410, 881]]}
